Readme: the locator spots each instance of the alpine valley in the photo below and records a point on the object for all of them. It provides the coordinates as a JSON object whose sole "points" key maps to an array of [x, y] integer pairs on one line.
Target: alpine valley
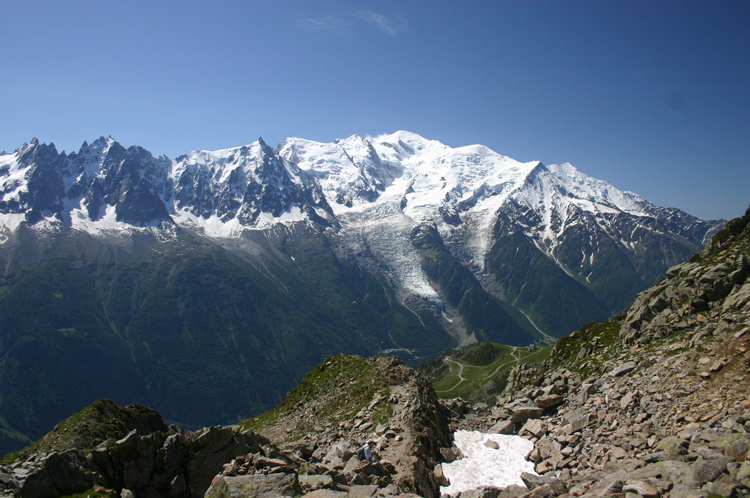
{"points": [[207, 286]]}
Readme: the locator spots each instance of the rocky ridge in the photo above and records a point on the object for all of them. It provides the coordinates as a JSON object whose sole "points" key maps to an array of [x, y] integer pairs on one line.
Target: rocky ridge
{"points": [[105, 449], [653, 402], [347, 401], [317, 431]]}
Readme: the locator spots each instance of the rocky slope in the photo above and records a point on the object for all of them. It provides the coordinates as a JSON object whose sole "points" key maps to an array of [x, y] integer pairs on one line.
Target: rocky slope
{"points": [[316, 431], [106, 448], [653, 402]]}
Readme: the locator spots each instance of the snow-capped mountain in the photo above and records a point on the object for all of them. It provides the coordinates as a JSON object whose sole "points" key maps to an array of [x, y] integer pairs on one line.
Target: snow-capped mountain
{"points": [[604, 244], [225, 276]]}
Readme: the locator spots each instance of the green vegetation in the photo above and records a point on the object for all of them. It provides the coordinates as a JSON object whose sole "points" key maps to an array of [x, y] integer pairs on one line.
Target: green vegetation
{"points": [[169, 323], [360, 380], [478, 372], [555, 302], [91, 426], [735, 231], [586, 349]]}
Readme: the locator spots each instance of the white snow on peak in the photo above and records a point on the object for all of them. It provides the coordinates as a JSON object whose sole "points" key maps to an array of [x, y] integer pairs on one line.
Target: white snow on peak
{"points": [[220, 164], [213, 226], [485, 466], [600, 193], [88, 163], [379, 189], [12, 176], [400, 180]]}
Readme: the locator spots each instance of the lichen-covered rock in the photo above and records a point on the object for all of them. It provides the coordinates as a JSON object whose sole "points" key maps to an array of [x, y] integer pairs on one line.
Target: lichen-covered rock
{"points": [[254, 486]]}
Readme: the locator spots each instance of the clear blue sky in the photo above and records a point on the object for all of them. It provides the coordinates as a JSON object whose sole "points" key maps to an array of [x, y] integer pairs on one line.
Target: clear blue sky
{"points": [[653, 96]]}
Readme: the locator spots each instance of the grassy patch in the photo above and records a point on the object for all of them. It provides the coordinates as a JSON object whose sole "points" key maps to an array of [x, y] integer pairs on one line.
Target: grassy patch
{"points": [[479, 371], [334, 391]]}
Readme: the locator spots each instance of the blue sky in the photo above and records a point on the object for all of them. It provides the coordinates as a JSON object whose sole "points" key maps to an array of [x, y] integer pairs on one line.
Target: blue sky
{"points": [[653, 96]]}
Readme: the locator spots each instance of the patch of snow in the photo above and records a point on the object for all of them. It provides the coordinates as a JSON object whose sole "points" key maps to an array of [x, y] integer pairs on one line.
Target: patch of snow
{"points": [[12, 220], [483, 466], [267, 219]]}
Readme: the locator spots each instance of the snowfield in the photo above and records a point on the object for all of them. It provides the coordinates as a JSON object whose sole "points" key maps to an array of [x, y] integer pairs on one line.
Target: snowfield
{"points": [[484, 466]]}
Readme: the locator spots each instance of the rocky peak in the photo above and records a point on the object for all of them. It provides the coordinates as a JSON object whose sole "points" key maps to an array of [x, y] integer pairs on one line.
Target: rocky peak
{"points": [[347, 401]]}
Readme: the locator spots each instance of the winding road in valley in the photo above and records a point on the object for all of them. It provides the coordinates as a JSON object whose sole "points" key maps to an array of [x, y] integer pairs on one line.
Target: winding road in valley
{"points": [[516, 359]]}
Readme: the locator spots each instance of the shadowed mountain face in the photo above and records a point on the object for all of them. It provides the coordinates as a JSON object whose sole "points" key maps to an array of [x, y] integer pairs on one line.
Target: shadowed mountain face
{"points": [[206, 286]]}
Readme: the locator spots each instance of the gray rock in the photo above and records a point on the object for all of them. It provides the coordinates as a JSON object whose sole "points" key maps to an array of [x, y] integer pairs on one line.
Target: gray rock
{"points": [[641, 488], [623, 369], [534, 481], [38, 484], [680, 473], [513, 491], [572, 415], [492, 444], [313, 482], [718, 365], [548, 448], [254, 486], [440, 477], [533, 427], [743, 474], [216, 447], [67, 471], [503, 427], [326, 493], [482, 492], [722, 486], [626, 400], [344, 450], [363, 491], [577, 424], [708, 470], [522, 413], [549, 400], [451, 454]]}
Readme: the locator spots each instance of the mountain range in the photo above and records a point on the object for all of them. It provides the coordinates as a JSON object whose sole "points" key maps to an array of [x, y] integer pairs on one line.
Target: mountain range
{"points": [[207, 285]]}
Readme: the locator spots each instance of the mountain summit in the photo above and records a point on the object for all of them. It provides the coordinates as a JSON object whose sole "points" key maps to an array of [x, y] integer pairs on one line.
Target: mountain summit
{"points": [[156, 280], [515, 226]]}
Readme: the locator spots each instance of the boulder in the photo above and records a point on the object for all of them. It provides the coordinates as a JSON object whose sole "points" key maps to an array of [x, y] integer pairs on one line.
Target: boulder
{"points": [[492, 444], [641, 488], [440, 476], [555, 486], [521, 413], [326, 493], [548, 448], [254, 486], [503, 427], [312, 482], [344, 450], [623, 369], [67, 471], [549, 400], [482, 492], [705, 471], [577, 424], [533, 427], [450, 454], [363, 491]]}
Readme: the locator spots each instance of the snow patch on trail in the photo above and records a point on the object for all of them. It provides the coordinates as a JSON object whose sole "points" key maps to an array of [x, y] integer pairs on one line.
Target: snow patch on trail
{"points": [[483, 466]]}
